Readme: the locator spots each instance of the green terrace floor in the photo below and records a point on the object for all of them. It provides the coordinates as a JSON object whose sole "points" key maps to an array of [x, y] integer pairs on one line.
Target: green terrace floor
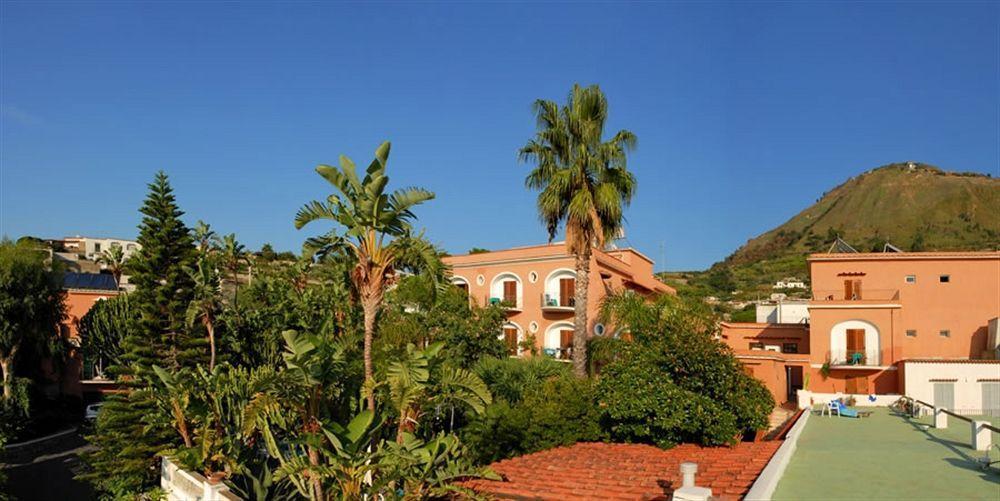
{"points": [[888, 456]]}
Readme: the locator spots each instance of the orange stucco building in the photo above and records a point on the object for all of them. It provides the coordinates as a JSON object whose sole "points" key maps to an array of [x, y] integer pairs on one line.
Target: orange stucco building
{"points": [[83, 290], [536, 285], [872, 313]]}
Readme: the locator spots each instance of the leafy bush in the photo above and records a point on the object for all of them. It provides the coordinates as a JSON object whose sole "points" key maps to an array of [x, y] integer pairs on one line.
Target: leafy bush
{"points": [[557, 410], [675, 364], [508, 378], [642, 404]]}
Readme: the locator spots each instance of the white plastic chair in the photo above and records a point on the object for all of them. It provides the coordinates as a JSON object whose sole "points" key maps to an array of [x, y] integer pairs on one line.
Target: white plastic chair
{"points": [[832, 407]]}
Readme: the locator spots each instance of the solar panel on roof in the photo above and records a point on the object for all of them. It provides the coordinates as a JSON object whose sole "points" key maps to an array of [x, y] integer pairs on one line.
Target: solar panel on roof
{"points": [[90, 281]]}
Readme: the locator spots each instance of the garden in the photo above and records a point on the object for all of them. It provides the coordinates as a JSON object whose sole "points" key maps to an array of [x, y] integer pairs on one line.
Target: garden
{"points": [[356, 368]]}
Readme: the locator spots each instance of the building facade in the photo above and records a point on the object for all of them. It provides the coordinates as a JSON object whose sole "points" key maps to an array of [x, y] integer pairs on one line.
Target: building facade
{"points": [[536, 286], [871, 315], [83, 290], [91, 247]]}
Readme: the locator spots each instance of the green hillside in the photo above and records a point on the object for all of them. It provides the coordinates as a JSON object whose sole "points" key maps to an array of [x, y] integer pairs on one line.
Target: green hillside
{"points": [[910, 205]]}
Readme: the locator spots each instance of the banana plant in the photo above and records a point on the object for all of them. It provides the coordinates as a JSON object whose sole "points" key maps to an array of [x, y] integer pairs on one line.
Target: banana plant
{"points": [[376, 234]]}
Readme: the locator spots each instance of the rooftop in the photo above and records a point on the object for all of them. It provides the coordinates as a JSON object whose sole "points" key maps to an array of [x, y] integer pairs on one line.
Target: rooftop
{"points": [[90, 281], [887, 456], [896, 256], [626, 471]]}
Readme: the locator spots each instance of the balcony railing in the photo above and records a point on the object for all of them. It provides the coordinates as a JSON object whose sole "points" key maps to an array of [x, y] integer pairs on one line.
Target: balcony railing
{"points": [[863, 295], [559, 353], [505, 303], [855, 358], [557, 303]]}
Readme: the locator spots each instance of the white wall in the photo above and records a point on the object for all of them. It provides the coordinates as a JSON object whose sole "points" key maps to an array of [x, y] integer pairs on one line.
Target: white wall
{"points": [[917, 382], [783, 313], [806, 396]]}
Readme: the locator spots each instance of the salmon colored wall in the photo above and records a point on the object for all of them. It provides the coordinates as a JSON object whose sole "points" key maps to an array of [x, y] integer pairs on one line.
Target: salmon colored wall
{"points": [[964, 305], [622, 268], [78, 303], [739, 335]]}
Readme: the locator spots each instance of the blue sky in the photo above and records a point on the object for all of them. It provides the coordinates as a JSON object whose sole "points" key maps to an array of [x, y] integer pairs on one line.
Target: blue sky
{"points": [[746, 113]]}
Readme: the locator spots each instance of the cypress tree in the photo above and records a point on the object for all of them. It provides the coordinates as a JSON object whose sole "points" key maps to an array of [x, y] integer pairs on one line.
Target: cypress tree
{"points": [[128, 434]]}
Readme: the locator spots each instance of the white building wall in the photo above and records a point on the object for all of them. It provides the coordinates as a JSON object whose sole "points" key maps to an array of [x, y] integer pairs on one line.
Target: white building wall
{"points": [[969, 377], [783, 313]]}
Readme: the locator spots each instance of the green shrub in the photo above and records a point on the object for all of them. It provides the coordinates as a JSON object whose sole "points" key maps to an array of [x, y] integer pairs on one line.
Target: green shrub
{"points": [[559, 410], [509, 378], [642, 404]]}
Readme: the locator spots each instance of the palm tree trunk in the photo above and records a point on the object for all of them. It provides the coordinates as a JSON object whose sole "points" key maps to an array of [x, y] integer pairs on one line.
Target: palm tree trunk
{"points": [[580, 313], [370, 304], [211, 343]]}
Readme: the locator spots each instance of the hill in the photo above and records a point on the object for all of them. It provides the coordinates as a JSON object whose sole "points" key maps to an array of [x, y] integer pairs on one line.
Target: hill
{"points": [[910, 205]]}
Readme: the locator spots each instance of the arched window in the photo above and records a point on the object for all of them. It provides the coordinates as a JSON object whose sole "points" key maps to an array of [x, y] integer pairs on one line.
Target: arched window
{"points": [[559, 341], [506, 289], [560, 290], [512, 336], [854, 342]]}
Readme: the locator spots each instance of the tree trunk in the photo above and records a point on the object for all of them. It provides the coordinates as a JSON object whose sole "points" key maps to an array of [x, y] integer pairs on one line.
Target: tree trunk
{"points": [[580, 314], [211, 342], [370, 304], [6, 366], [317, 483]]}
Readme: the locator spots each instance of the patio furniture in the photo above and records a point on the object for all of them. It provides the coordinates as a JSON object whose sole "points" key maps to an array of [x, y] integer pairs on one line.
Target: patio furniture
{"points": [[831, 407]]}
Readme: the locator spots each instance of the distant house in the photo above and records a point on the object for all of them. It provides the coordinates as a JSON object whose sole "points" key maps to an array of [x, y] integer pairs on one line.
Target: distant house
{"points": [[783, 312], [790, 283], [92, 247]]}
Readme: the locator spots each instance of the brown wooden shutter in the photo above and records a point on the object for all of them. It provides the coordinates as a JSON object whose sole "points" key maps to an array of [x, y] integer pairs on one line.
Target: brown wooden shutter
{"points": [[857, 289], [567, 290], [565, 339], [855, 341], [848, 289], [510, 292], [510, 339]]}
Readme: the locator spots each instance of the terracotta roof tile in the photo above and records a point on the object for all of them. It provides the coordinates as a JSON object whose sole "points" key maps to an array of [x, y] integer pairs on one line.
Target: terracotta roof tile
{"points": [[625, 471]]}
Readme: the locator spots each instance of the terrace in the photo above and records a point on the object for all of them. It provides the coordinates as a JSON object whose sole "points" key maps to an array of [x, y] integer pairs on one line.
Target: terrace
{"points": [[888, 456]]}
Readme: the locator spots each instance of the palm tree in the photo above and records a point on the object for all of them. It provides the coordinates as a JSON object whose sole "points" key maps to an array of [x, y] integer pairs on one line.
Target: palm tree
{"points": [[206, 302], [583, 182], [232, 255], [114, 259], [204, 235], [377, 234]]}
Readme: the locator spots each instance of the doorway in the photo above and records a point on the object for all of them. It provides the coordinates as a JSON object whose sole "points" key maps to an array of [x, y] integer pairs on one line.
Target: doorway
{"points": [[793, 382]]}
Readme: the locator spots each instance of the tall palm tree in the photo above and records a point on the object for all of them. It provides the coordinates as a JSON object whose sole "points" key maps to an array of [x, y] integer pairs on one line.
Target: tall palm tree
{"points": [[206, 302], [114, 259], [376, 234], [583, 183], [232, 256]]}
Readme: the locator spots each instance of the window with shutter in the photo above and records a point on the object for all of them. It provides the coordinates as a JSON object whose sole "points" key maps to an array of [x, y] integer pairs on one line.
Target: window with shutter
{"points": [[567, 290], [855, 346], [565, 344], [510, 292], [510, 339]]}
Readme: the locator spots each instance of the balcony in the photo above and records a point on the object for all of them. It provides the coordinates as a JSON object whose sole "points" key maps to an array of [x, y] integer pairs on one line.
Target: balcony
{"points": [[854, 359], [553, 304], [858, 299], [506, 303]]}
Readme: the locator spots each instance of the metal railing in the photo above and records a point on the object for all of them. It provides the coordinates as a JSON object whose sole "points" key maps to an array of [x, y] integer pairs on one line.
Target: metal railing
{"points": [[863, 295], [949, 412], [861, 358], [557, 301]]}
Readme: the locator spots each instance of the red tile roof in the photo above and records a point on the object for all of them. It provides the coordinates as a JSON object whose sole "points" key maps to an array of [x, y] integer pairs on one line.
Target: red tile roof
{"points": [[626, 471]]}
